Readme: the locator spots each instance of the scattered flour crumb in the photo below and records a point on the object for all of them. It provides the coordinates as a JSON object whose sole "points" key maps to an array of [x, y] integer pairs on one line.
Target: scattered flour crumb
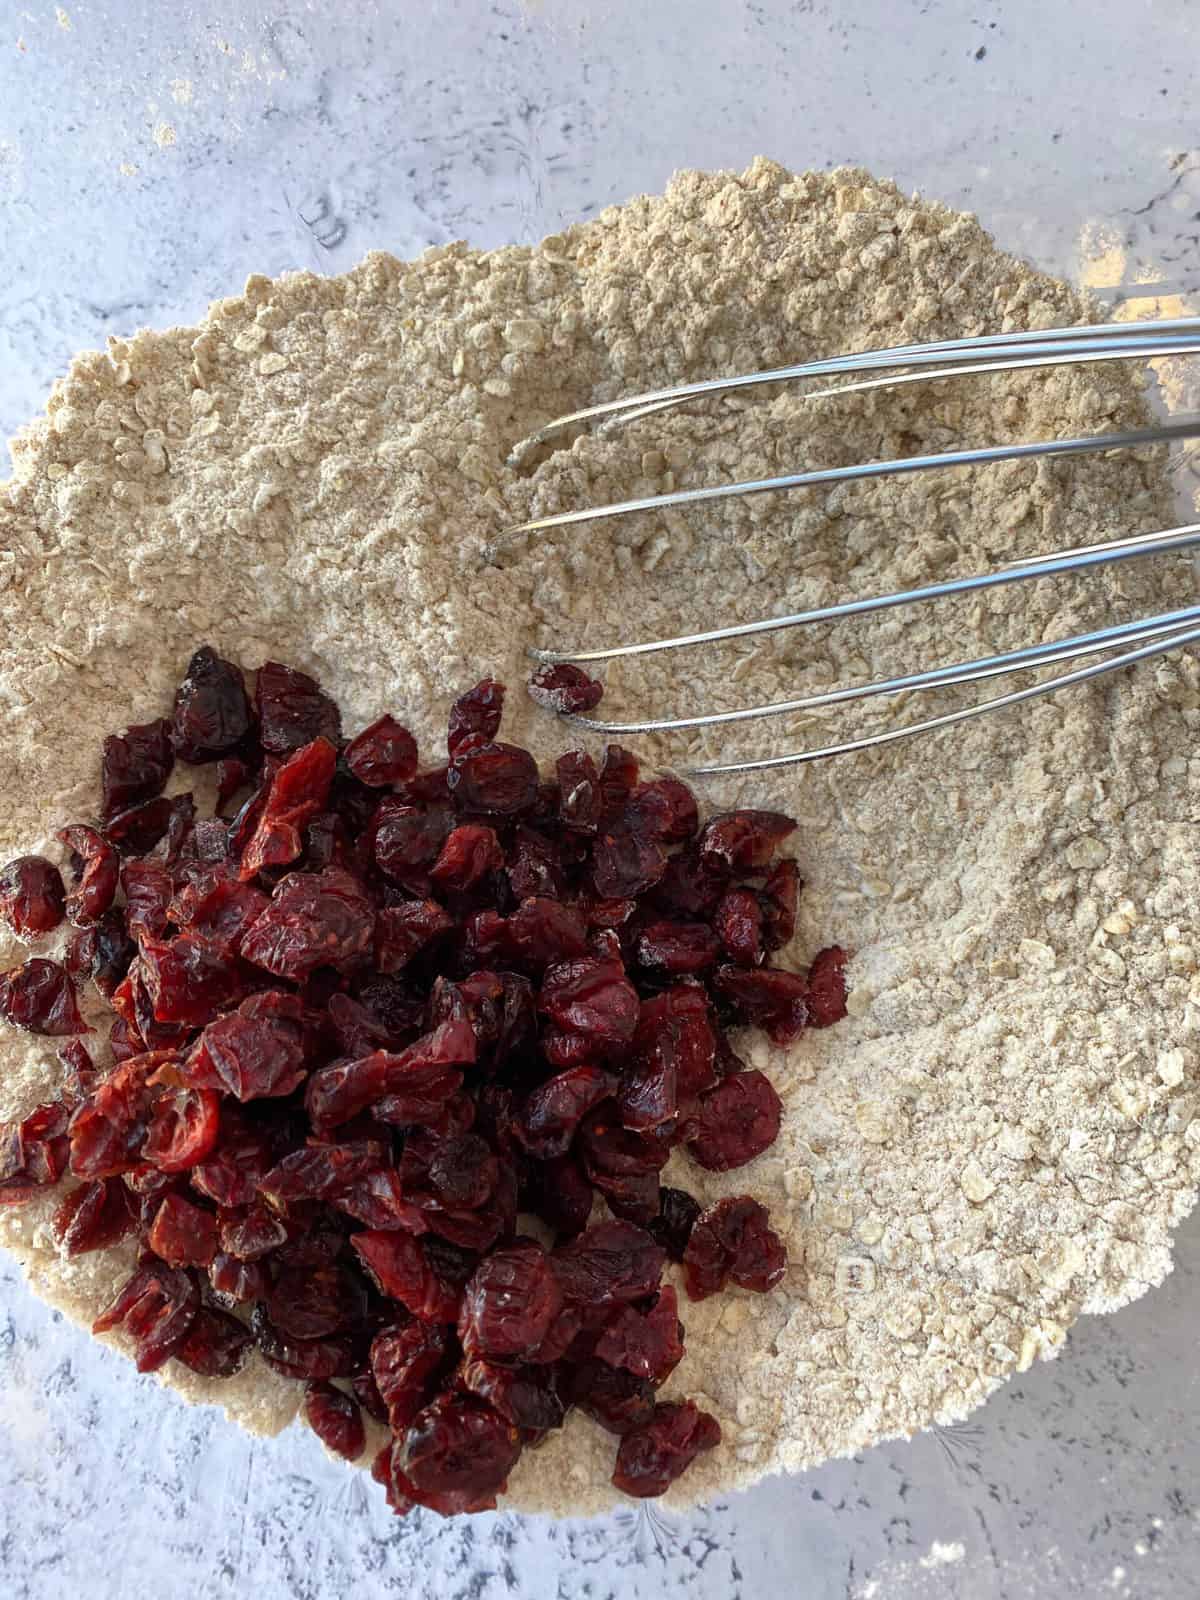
{"points": [[181, 91], [128, 169], [943, 1555], [164, 135], [63, 19]]}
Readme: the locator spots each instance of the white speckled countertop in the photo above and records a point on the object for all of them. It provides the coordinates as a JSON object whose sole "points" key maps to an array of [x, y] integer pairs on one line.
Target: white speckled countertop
{"points": [[150, 157]]}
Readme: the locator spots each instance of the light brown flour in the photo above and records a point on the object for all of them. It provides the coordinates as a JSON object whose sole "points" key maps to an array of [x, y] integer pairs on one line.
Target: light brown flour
{"points": [[1005, 1131]]}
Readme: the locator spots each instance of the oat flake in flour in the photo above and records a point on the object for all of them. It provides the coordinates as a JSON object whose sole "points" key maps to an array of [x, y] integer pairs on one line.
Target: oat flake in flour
{"points": [[1003, 1134]]}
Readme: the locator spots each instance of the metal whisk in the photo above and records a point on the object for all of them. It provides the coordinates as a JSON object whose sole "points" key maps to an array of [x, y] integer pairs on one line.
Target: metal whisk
{"points": [[1151, 636]]}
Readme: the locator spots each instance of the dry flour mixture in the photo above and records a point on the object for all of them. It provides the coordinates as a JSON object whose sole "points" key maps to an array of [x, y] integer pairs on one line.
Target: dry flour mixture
{"points": [[1003, 1134]]}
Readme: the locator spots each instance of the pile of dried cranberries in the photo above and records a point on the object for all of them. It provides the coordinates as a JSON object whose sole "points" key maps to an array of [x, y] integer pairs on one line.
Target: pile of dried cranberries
{"points": [[366, 1018]]}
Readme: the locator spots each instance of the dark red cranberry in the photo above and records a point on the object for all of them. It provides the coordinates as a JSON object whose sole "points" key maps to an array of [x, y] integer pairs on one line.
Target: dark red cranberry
{"points": [[40, 997], [651, 1457], [476, 714], [738, 1120], [32, 896], [742, 840], [156, 1307], [215, 1345], [455, 1456], [135, 766], [499, 779], [778, 897], [182, 1234], [405, 1362], [827, 987], [336, 1420], [672, 1227], [320, 920], [293, 710], [383, 754], [212, 710], [93, 1216], [509, 1303], [96, 871], [733, 1239], [565, 689], [580, 799]]}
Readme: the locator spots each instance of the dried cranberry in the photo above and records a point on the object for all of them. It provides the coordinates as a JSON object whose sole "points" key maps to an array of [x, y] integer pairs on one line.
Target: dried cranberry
{"points": [[336, 1420], [617, 780], [543, 931], [653, 1456], [33, 1153], [476, 714], [298, 792], [322, 919], [156, 1307], [405, 1360], [237, 1282], [500, 779], [148, 890], [32, 896], [692, 885], [292, 710], [135, 766], [622, 1164], [383, 753], [469, 854], [406, 840], [405, 1269], [425, 1075], [743, 840], [580, 799], [554, 1110], [251, 1232], [591, 997], [738, 1120], [233, 775], [647, 1343], [626, 863], [780, 892], [40, 998], [402, 932], [827, 987], [311, 1360], [564, 688], [678, 948], [135, 832], [509, 1304], [609, 1264], [456, 1456], [214, 904], [80, 1070], [96, 867], [241, 1157], [183, 1129], [673, 1225], [212, 710], [189, 979], [320, 1171], [733, 1239], [777, 1001], [616, 1399], [215, 1345], [664, 809], [313, 1300], [182, 1234], [526, 1396], [561, 1194], [739, 925]]}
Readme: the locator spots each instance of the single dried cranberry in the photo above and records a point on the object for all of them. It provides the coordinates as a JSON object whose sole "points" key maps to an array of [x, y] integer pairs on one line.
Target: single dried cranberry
{"points": [[251, 1232], [425, 1075], [509, 1304], [738, 1120], [336, 1420], [407, 1269], [733, 1239], [739, 925], [136, 831], [96, 867], [215, 1345], [233, 775], [406, 840], [318, 919], [622, 1164], [366, 1392], [590, 997], [189, 979], [743, 840], [182, 1234], [564, 688], [80, 1070], [499, 779], [827, 987], [535, 866], [580, 799], [652, 1457], [40, 998], [405, 1361], [673, 1225], [214, 904], [311, 1360], [312, 1301], [135, 766], [469, 854], [775, 1000], [626, 863], [664, 809], [235, 1282], [543, 931], [212, 710], [183, 1129], [778, 897], [617, 780], [616, 1399], [156, 1307], [383, 753], [692, 885], [678, 948], [526, 1396], [456, 1455], [241, 1157], [93, 1216], [463, 1173], [299, 790], [554, 1110], [148, 890], [647, 1343], [609, 1264], [562, 1195], [102, 953], [403, 931], [292, 710], [32, 896], [33, 1153], [476, 714]]}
